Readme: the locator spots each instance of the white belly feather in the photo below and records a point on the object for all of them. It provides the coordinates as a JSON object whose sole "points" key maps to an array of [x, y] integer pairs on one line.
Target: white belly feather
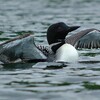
{"points": [[66, 53]]}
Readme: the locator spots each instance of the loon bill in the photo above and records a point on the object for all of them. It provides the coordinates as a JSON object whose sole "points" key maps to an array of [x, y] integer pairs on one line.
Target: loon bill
{"points": [[60, 48]]}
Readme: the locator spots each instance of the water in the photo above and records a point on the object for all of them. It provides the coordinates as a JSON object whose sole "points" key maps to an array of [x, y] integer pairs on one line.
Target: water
{"points": [[31, 81]]}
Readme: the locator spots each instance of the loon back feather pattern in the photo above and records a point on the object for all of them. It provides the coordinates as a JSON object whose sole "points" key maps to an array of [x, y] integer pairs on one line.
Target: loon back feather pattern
{"points": [[46, 50]]}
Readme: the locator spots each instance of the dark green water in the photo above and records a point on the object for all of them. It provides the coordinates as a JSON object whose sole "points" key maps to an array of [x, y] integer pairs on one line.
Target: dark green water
{"points": [[31, 81]]}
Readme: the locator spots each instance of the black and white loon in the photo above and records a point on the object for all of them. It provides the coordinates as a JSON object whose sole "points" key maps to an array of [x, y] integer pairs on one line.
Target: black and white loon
{"points": [[60, 48]]}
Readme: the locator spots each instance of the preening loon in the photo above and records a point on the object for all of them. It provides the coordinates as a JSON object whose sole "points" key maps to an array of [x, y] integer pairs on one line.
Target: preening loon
{"points": [[63, 47], [60, 48]]}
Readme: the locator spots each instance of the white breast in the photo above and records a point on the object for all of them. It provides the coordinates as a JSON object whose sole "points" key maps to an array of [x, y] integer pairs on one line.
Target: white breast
{"points": [[66, 53]]}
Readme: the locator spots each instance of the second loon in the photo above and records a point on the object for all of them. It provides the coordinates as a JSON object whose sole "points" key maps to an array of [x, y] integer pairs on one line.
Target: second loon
{"points": [[60, 49]]}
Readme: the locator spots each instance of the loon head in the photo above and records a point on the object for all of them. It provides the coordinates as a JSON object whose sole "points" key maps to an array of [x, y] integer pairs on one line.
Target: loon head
{"points": [[56, 34], [58, 31]]}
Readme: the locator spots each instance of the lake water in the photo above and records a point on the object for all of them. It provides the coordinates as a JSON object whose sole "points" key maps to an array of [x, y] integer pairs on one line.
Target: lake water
{"points": [[38, 81]]}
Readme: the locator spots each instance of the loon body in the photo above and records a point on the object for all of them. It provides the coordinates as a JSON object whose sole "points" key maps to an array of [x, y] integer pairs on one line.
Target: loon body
{"points": [[60, 48], [65, 48]]}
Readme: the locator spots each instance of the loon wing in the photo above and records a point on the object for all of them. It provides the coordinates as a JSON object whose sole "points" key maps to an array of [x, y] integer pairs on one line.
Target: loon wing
{"points": [[21, 48], [16, 38], [91, 40], [85, 40]]}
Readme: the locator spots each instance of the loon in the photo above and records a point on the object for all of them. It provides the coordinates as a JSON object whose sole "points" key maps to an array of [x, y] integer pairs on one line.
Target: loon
{"points": [[60, 49], [65, 48]]}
